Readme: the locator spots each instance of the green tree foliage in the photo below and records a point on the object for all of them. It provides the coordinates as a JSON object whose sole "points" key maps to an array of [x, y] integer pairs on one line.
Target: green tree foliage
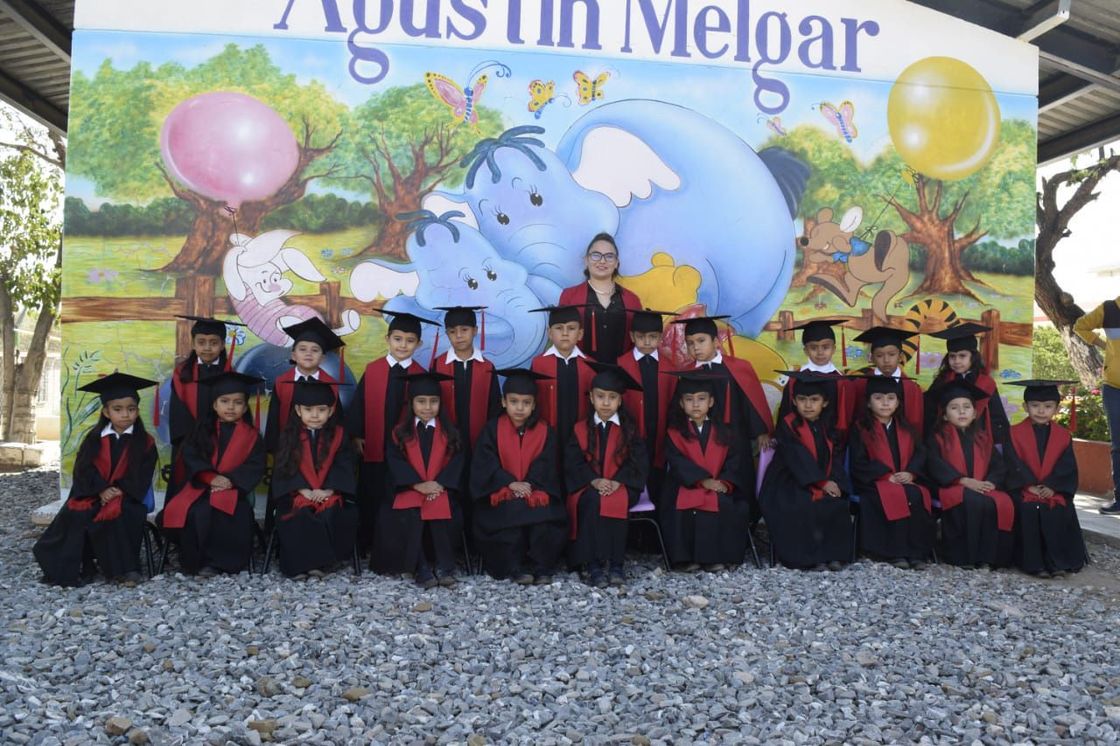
{"points": [[1050, 360]]}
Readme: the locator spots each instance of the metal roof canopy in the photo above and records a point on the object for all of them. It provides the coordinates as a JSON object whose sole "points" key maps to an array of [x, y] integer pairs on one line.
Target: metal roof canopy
{"points": [[1079, 69]]}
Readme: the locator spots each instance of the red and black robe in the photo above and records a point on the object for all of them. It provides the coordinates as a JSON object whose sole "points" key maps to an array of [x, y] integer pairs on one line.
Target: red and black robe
{"points": [[562, 400], [838, 414], [650, 406], [989, 411], [280, 404], [912, 405], [605, 330], [471, 397]]}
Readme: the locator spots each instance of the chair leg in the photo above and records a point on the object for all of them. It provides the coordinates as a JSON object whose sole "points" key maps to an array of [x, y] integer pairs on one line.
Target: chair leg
{"points": [[357, 560], [467, 554], [657, 532], [268, 551], [146, 542], [754, 550], [855, 537]]}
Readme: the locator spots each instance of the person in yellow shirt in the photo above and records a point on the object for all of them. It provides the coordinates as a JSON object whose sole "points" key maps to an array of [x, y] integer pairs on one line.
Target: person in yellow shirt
{"points": [[1106, 316]]}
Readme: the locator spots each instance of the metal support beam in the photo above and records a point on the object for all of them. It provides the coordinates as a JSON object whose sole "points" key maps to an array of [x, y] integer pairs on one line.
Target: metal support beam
{"points": [[32, 104], [1049, 17], [37, 22], [1066, 65], [1060, 91], [1085, 138]]}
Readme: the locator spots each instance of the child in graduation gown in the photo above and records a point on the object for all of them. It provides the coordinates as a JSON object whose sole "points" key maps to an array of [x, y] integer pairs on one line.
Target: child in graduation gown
{"points": [[425, 461], [605, 469], [818, 340], [885, 345], [977, 516], [807, 512], [101, 524], [649, 405], [565, 375], [1048, 540], [211, 517], [886, 460], [312, 340], [962, 362], [704, 511], [520, 523], [313, 481]]}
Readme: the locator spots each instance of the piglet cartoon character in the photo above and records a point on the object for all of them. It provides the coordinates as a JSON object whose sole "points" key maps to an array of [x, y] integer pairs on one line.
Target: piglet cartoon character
{"points": [[254, 271]]}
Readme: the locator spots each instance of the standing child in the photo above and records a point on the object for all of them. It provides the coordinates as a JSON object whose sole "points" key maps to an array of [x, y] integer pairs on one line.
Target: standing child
{"points": [[885, 349], [375, 410], [312, 481], [1048, 538], [519, 519], [605, 468], [225, 460], [649, 405], [977, 516], [101, 524], [886, 460], [566, 376], [425, 461], [807, 513], [962, 362], [311, 341], [818, 340], [207, 358], [704, 512]]}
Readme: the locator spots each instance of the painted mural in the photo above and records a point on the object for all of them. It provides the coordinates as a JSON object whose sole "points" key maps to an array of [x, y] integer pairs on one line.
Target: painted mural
{"points": [[302, 162]]}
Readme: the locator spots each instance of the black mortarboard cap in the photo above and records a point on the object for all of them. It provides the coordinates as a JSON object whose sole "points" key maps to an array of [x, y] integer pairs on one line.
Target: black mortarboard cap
{"points": [[117, 386], [207, 325], [815, 330], [460, 315], [406, 322], [560, 314], [701, 325], [612, 378], [426, 383], [309, 392], [1040, 389], [879, 384], [810, 382], [521, 380], [230, 382], [645, 320], [314, 330], [696, 380], [959, 389], [884, 336], [962, 336]]}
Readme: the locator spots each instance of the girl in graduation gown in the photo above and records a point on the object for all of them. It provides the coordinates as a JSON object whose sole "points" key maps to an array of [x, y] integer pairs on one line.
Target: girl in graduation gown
{"points": [[806, 511], [425, 462], [101, 524], [886, 458], [605, 470], [1048, 540], [704, 510], [211, 517], [520, 523], [962, 361], [977, 516], [313, 483]]}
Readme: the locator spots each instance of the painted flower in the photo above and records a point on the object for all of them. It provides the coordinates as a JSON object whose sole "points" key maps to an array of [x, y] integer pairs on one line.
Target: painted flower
{"points": [[98, 276], [236, 334]]}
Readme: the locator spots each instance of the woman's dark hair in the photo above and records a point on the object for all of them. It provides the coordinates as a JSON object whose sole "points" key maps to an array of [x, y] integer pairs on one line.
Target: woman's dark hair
{"points": [[187, 368], [202, 437], [629, 433], [944, 371], [609, 239], [406, 428], [679, 420], [288, 446], [91, 444]]}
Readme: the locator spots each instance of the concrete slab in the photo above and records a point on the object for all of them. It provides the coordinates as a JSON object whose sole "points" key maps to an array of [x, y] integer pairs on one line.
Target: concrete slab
{"points": [[1096, 527]]}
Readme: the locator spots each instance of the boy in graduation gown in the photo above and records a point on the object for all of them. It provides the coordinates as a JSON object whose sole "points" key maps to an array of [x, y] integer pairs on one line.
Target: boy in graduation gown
{"points": [[425, 461], [977, 515], [886, 458], [313, 482], [962, 362], [807, 512], [818, 340], [704, 511], [101, 524], [520, 521], [1048, 540], [311, 341], [566, 376], [650, 404], [211, 517], [605, 469], [376, 409], [885, 350]]}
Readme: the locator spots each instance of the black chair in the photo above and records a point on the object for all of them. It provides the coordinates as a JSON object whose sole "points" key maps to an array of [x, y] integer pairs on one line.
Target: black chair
{"points": [[644, 513], [150, 542]]}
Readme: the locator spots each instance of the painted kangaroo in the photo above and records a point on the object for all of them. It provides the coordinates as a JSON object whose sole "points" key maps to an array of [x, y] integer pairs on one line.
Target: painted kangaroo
{"points": [[886, 260]]}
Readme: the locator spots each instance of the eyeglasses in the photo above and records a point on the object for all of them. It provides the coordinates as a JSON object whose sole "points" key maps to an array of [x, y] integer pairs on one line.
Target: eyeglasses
{"points": [[596, 256]]}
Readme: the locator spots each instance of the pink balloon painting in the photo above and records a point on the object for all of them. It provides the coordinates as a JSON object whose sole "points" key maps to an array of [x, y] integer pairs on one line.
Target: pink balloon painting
{"points": [[229, 147]]}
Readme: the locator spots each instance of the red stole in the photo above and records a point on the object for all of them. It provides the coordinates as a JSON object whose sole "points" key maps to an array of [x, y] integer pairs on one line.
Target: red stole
{"points": [[188, 391], [284, 393], [805, 437], [911, 400], [614, 505], [1023, 440], [430, 510], [635, 403], [953, 452], [376, 383], [239, 449], [841, 406], [517, 454], [747, 380], [892, 496], [102, 461], [710, 460], [482, 372], [316, 477], [578, 295], [546, 390]]}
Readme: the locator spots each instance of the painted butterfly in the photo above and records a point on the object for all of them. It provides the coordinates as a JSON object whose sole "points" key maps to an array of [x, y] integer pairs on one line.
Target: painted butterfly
{"points": [[463, 100], [589, 90], [841, 118], [541, 94], [774, 124]]}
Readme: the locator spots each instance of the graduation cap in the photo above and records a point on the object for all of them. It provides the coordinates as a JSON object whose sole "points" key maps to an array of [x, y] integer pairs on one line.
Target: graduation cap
{"points": [[612, 378], [230, 382], [1040, 389], [701, 325], [879, 384], [959, 389], [207, 325], [314, 330], [815, 330], [461, 315], [521, 380], [810, 382], [426, 383], [962, 336], [560, 314], [117, 386], [406, 322], [884, 336], [645, 320], [696, 380], [309, 392]]}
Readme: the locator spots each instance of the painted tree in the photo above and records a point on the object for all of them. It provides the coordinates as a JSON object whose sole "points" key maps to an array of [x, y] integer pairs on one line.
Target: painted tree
{"points": [[115, 122], [401, 143]]}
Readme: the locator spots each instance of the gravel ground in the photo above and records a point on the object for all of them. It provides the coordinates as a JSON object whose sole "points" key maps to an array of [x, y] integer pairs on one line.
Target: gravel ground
{"points": [[868, 655]]}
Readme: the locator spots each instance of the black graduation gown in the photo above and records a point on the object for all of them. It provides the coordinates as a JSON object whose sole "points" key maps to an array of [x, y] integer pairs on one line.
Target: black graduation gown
{"points": [[602, 540], [399, 537], [310, 540], [463, 374], [969, 532], [746, 425], [906, 538], [997, 414], [512, 537], [805, 532], [1047, 538], [74, 542], [181, 422], [700, 536], [211, 537]]}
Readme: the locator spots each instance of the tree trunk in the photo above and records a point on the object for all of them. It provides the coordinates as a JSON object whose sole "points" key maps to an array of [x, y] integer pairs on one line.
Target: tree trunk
{"points": [[393, 236], [28, 379], [8, 365]]}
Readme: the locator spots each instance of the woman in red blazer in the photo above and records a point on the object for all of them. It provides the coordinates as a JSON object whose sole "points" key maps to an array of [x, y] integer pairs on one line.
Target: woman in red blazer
{"points": [[603, 302]]}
